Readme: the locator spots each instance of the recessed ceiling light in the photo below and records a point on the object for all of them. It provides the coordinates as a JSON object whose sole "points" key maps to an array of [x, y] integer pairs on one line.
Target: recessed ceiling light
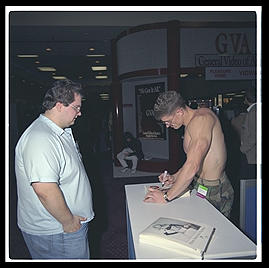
{"points": [[101, 76], [58, 77], [95, 55], [48, 49], [46, 69], [91, 48], [27, 56], [104, 96], [99, 68], [239, 95]]}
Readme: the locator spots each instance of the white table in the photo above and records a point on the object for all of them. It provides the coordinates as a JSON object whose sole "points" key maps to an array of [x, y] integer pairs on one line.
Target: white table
{"points": [[227, 242]]}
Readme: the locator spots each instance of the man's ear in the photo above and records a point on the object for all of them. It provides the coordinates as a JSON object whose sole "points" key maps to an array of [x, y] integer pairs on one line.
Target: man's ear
{"points": [[58, 106], [180, 111]]}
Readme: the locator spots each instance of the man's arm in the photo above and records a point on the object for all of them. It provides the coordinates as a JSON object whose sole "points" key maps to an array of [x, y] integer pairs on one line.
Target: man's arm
{"points": [[53, 200], [200, 132]]}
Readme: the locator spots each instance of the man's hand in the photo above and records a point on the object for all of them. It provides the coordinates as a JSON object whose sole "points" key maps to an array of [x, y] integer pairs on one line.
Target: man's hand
{"points": [[167, 179], [73, 225], [154, 196]]}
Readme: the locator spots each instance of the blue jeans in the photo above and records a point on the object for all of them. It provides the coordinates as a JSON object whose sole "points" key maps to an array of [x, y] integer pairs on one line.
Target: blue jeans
{"points": [[59, 246]]}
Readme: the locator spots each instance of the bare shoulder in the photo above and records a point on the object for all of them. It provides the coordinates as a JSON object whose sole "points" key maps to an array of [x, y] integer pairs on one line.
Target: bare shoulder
{"points": [[203, 117]]}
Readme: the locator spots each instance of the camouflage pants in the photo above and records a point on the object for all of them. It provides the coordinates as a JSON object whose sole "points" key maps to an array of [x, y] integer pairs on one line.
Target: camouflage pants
{"points": [[220, 193]]}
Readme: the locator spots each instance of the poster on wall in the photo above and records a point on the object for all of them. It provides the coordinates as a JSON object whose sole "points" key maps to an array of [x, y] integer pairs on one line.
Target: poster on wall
{"points": [[147, 126]]}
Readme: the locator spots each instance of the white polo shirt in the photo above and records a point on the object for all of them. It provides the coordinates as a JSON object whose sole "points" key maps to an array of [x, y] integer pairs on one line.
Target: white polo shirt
{"points": [[47, 153]]}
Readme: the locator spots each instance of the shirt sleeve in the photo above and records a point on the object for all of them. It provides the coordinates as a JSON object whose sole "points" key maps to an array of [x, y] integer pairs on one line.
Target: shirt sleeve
{"points": [[248, 140], [42, 160]]}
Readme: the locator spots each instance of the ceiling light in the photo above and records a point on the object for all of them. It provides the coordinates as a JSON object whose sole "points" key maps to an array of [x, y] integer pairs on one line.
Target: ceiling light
{"points": [[239, 95], [104, 96], [99, 68], [101, 76], [95, 55], [46, 69], [27, 56], [58, 77], [105, 99], [91, 48]]}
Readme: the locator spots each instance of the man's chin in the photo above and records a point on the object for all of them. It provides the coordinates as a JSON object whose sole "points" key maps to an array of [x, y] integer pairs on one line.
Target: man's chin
{"points": [[72, 123], [176, 127]]}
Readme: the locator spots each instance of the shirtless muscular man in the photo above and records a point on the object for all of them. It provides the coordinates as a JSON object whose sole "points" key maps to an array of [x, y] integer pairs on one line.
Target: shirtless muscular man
{"points": [[205, 150]]}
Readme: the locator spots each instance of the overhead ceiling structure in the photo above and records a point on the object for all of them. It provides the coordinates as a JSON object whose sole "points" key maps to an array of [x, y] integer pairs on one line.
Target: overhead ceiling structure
{"points": [[69, 51], [49, 45]]}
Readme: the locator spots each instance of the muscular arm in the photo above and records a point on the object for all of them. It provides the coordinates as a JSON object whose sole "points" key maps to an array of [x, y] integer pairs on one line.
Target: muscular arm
{"points": [[52, 199], [200, 131]]}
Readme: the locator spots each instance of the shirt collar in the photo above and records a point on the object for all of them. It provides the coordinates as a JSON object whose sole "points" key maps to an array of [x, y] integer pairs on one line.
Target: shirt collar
{"points": [[59, 131], [250, 107]]}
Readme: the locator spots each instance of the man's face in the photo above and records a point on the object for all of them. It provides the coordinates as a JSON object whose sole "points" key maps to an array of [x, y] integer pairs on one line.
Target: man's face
{"points": [[175, 120], [70, 113]]}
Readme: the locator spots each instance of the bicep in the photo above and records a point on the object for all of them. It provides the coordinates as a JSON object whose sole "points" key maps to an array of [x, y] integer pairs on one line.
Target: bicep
{"points": [[44, 189]]}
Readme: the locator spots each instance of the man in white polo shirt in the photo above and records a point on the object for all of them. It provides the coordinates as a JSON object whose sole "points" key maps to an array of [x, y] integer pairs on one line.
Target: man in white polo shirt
{"points": [[54, 192]]}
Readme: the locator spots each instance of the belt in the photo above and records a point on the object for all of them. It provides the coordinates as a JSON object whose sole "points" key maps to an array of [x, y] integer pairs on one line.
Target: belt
{"points": [[210, 182]]}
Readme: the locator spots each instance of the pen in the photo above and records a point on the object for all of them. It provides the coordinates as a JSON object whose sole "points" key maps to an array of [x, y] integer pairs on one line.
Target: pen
{"points": [[165, 173]]}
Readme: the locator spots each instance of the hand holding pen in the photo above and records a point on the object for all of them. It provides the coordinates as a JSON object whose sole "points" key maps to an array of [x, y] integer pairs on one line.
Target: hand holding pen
{"points": [[163, 178], [166, 179]]}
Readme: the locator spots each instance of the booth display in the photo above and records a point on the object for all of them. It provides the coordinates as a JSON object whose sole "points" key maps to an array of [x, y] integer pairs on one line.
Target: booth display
{"points": [[200, 60]]}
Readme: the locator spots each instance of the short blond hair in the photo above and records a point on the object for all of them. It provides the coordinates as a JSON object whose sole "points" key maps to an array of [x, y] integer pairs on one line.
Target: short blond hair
{"points": [[167, 103]]}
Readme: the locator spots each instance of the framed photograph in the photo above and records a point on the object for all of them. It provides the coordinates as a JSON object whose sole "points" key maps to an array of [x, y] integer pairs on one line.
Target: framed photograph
{"points": [[147, 126]]}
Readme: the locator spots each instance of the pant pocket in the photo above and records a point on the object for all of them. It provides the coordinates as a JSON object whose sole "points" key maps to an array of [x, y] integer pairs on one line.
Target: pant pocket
{"points": [[76, 243]]}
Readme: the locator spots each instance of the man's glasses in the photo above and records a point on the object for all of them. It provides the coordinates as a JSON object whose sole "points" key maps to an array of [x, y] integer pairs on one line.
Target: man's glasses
{"points": [[169, 122], [76, 108]]}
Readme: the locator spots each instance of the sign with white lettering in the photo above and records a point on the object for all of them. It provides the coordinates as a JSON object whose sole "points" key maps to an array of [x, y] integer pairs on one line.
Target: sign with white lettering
{"points": [[214, 60], [230, 73], [147, 126]]}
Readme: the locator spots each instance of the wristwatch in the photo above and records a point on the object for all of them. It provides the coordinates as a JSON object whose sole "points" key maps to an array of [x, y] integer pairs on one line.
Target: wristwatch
{"points": [[166, 197]]}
